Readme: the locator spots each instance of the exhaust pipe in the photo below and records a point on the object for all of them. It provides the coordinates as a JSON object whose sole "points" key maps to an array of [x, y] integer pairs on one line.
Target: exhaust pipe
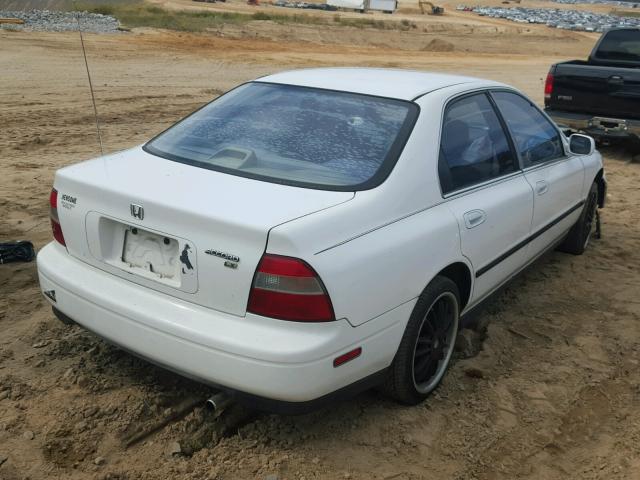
{"points": [[219, 402]]}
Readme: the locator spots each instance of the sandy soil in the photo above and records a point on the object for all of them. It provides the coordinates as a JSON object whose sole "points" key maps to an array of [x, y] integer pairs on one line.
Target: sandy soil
{"points": [[554, 392]]}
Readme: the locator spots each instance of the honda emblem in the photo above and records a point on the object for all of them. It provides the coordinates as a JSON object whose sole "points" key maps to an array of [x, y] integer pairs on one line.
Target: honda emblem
{"points": [[137, 211]]}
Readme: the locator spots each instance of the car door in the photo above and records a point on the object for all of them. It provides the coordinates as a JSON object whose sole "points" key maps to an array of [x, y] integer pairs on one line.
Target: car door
{"points": [[485, 189], [556, 178]]}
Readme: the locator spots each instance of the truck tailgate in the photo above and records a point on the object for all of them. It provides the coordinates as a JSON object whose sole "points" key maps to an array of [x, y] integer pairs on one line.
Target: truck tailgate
{"points": [[597, 90]]}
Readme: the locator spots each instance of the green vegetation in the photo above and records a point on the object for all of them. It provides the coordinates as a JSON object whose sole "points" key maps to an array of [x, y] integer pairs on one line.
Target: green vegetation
{"points": [[103, 9], [138, 14], [622, 13]]}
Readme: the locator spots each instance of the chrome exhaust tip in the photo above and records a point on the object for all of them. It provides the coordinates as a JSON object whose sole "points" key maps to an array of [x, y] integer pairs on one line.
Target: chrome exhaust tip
{"points": [[218, 402]]}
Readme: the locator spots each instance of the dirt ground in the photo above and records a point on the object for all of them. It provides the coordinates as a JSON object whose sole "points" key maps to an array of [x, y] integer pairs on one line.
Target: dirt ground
{"points": [[554, 392]]}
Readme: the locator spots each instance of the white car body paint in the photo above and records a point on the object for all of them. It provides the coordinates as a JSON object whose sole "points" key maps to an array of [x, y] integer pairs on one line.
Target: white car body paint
{"points": [[375, 250]]}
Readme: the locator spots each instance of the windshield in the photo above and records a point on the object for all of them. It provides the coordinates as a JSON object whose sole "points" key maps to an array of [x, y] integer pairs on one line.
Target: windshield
{"points": [[294, 135], [620, 45]]}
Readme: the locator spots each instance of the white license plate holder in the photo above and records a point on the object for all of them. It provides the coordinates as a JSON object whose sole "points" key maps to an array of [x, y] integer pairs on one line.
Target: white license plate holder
{"points": [[111, 241], [151, 252], [152, 255]]}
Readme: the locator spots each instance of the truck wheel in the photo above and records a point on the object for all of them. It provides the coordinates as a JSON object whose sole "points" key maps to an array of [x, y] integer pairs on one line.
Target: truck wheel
{"points": [[580, 234], [427, 344], [634, 147]]}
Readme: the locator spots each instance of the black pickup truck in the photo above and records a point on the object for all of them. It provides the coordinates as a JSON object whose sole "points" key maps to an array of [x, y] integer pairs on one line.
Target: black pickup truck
{"points": [[600, 96]]}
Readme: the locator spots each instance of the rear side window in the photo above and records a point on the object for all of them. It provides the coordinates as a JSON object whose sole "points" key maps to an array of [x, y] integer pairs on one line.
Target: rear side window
{"points": [[473, 145], [536, 139], [620, 45], [293, 135]]}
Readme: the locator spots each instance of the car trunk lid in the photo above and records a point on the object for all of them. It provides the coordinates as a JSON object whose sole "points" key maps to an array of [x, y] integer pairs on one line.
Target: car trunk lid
{"points": [[189, 232]]}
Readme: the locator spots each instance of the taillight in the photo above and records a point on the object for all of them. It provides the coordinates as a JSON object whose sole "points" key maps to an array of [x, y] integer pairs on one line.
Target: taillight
{"points": [[55, 221], [548, 86], [289, 289]]}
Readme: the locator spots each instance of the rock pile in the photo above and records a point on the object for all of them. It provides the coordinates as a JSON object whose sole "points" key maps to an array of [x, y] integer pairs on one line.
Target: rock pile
{"points": [[54, 21]]}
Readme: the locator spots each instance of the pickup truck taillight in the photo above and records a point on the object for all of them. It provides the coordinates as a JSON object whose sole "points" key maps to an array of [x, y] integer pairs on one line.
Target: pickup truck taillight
{"points": [[548, 86], [289, 289], [55, 221]]}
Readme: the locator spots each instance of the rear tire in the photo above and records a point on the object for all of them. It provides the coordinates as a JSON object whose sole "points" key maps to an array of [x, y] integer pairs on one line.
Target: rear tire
{"points": [[580, 234], [427, 344]]}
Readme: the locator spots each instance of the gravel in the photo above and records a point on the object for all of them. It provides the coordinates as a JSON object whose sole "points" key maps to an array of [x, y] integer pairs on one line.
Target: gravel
{"points": [[53, 21]]}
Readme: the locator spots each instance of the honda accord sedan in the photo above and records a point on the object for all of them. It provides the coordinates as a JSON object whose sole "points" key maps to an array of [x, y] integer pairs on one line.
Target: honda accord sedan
{"points": [[314, 233]]}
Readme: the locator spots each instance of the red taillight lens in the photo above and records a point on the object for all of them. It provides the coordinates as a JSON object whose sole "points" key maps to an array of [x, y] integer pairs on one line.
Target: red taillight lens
{"points": [[548, 86], [55, 222], [289, 289], [53, 199], [57, 232]]}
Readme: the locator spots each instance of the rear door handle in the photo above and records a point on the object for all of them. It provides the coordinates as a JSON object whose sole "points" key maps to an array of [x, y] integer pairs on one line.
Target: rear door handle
{"points": [[541, 187], [473, 218]]}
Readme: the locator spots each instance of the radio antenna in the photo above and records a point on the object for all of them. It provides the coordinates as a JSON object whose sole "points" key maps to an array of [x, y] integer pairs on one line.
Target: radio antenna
{"points": [[93, 97]]}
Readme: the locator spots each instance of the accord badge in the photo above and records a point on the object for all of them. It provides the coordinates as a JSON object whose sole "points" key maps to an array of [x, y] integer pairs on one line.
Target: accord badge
{"points": [[226, 256]]}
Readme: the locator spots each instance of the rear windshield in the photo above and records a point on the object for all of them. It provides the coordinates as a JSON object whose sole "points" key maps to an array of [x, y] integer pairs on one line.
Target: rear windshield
{"points": [[620, 45], [293, 135]]}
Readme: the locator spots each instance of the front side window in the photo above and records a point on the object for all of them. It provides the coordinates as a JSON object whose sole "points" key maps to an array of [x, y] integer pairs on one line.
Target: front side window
{"points": [[536, 139], [473, 145], [293, 135]]}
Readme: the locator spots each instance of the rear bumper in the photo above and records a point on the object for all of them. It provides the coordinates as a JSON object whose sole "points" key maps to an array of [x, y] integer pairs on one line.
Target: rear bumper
{"points": [[597, 126], [255, 357]]}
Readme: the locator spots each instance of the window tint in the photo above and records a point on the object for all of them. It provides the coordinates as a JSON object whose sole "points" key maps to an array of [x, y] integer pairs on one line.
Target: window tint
{"points": [[620, 45], [536, 139], [473, 147]]}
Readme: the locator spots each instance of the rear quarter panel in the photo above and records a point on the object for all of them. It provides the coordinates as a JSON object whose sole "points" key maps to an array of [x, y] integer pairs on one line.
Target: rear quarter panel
{"points": [[380, 270]]}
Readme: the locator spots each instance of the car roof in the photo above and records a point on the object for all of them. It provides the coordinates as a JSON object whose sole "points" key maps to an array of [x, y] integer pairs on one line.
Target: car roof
{"points": [[382, 82]]}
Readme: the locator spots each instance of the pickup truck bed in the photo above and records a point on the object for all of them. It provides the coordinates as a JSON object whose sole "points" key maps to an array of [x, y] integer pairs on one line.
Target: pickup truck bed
{"points": [[600, 96]]}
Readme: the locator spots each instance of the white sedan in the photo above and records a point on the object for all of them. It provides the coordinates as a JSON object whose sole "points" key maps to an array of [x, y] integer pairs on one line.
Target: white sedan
{"points": [[314, 233]]}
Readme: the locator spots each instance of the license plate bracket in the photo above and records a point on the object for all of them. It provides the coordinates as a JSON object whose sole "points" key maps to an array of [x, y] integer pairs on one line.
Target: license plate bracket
{"points": [[110, 242], [157, 254], [609, 124]]}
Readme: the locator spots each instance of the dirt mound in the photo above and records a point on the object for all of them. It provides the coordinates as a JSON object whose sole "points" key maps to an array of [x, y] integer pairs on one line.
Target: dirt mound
{"points": [[439, 45]]}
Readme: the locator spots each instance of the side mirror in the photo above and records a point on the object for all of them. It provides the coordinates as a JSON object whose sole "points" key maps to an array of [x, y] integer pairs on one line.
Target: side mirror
{"points": [[581, 144]]}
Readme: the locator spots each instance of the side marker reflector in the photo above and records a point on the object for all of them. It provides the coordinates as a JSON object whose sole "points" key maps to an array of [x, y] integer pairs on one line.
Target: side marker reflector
{"points": [[347, 357]]}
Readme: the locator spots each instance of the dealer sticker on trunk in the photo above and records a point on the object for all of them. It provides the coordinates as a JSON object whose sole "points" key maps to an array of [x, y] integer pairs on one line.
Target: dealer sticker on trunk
{"points": [[68, 201]]}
